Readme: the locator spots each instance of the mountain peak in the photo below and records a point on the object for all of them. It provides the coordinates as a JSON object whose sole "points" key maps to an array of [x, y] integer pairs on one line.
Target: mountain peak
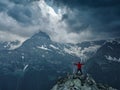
{"points": [[79, 82], [41, 34]]}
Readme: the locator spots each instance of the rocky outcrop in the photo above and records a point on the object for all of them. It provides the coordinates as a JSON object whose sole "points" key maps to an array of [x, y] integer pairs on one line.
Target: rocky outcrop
{"points": [[79, 82]]}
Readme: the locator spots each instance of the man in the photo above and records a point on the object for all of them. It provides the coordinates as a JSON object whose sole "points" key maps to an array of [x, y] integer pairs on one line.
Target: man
{"points": [[79, 66]]}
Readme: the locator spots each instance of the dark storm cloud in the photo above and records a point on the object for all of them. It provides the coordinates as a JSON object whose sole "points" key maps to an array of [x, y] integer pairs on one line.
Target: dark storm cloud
{"points": [[24, 2], [70, 21], [103, 16], [2, 6], [89, 3], [23, 14]]}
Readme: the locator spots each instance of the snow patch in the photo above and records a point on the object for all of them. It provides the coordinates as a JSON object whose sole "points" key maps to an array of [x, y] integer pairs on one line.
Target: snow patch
{"points": [[23, 57], [26, 66], [7, 45], [110, 47], [13, 47], [53, 47], [75, 50], [82, 53], [91, 48], [43, 47], [112, 58]]}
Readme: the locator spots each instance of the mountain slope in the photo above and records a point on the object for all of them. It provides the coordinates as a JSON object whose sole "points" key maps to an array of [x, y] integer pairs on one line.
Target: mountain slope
{"points": [[104, 66], [41, 60], [38, 60]]}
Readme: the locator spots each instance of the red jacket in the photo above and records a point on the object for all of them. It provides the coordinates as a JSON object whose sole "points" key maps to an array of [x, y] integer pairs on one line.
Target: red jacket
{"points": [[79, 65]]}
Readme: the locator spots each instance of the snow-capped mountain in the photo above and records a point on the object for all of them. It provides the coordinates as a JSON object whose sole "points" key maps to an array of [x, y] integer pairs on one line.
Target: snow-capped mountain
{"points": [[38, 57], [105, 64], [41, 60], [86, 49]]}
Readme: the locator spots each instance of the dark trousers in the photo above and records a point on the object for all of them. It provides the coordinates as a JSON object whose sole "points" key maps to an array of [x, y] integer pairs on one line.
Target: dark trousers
{"points": [[80, 71]]}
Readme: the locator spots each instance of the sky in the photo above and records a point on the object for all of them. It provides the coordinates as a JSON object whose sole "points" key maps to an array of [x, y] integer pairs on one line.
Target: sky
{"points": [[65, 21]]}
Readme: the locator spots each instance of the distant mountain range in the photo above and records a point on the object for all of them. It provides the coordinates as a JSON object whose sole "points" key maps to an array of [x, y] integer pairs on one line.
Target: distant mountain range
{"points": [[104, 66], [9, 45], [36, 63]]}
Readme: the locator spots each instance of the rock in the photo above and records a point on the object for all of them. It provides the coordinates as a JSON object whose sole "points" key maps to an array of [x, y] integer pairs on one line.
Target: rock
{"points": [[79, 82]]}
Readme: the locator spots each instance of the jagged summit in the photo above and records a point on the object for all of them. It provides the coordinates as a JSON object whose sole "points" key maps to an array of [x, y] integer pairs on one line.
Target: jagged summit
{"points": [[79, 82], [40, 34], [38, 39]]}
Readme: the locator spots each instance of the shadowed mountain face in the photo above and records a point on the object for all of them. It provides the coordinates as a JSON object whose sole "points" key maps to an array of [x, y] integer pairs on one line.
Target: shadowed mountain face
{"points": [[104, 66], [35, 65]]}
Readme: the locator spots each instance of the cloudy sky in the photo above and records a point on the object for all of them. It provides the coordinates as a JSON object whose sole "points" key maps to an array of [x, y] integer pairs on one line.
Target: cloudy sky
{"points": [[66, 21]]}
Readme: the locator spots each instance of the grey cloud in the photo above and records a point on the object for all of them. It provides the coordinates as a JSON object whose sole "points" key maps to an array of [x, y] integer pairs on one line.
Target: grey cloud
{"points": [[5, 5], [23, 2], [103, 16], [88, 3], [72, 21], [25, 21], [23, 14]]}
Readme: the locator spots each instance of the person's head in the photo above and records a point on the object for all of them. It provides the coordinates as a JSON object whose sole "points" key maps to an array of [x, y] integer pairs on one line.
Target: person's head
{"points": [[78, 62]]}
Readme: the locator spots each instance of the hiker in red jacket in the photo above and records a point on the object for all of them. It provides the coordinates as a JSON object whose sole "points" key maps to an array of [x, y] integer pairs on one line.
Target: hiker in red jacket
{"points": [[79, 66]]}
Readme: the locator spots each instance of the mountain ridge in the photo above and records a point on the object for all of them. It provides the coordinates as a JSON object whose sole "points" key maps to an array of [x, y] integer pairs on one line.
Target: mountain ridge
{"points": [[44, 57], [104, 65]]}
